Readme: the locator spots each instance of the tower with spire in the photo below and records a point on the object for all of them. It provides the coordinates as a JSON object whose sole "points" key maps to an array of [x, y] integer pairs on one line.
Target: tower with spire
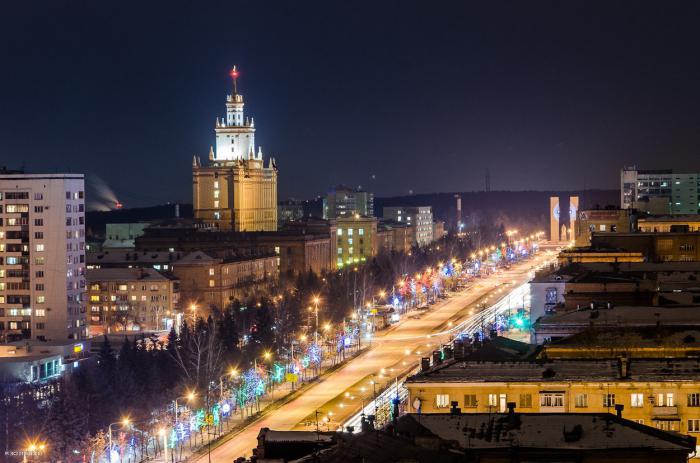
{"points": [[234, 189]]}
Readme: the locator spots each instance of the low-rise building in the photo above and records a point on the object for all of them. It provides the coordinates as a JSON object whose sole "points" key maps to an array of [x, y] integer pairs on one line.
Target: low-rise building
{"points": [[344, 201], [420, 218], [608, 220], [39, 362], [208, 282], [289, 210], [669, 223], [131, 299], [661, 393], [655, 247], [356, 239], [123, 235]]}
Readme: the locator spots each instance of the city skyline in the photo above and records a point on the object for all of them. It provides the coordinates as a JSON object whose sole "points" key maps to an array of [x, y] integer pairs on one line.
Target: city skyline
{"points": [[457, 89]]}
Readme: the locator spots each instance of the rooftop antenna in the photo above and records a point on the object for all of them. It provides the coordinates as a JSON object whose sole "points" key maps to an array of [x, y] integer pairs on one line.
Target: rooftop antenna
{"points": [[234, 76]]}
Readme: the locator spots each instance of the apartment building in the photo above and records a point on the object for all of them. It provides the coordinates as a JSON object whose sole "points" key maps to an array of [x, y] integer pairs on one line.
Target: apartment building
{"points": [[131, 299], [678, 191], [659, 392], [420, 218], [356, 239], [42, 263]]}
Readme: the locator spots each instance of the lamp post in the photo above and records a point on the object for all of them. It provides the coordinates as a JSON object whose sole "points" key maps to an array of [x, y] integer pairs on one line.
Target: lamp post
{"points": [[189, 396], [316, 301], [124, 422], [233, 373], [162, 433]]}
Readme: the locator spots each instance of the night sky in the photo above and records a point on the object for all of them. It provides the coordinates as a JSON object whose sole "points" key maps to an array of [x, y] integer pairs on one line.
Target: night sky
{"points": [[393, 96]]}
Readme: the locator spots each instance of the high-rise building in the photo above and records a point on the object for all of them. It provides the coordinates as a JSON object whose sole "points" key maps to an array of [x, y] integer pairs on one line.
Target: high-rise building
{"points": [[234, 189], [42, 269], [343, 201], [420, 218], [676, 193]]}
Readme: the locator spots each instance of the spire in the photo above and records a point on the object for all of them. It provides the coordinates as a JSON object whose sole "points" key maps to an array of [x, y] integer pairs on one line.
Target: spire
{"points": [[259, 152], [194, 160], [234, 76], [211, 153]]}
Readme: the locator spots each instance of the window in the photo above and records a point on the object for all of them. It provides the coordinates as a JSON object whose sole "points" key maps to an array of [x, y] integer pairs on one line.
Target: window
{"points": [[340, 232], [608, 400], [38, 196], [493, 400], [525, 400], [637, 400], [340, 250], [39, 222], [216, 204], [39, 235], [470, 401], [211, 272], [581, 401], [667, 425], [639, 421], [694, 399], [361, 231], [694, 425], [40, 312], [349, 231], [39, 247], [38, 209], [123, 287], [211, 283], [665, 400], [442, 400], [551, 399]]}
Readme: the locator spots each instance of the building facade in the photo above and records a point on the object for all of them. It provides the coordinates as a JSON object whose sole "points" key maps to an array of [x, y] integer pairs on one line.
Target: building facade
{"points": [[654, 392], [235, 189], [343, 201], [602, 220], [207, 282], [356, 239], [678, 190], [42, 270], [420, 218], [131, 299]]}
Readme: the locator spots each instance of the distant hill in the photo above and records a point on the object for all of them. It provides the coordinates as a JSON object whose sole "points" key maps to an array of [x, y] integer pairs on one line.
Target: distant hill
{"points": [[96, 220]]}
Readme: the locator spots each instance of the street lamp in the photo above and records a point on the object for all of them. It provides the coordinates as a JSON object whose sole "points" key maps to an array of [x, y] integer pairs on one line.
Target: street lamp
{"points": [[316, 301], [125, 423], [163, 434], [233, 373], [189, 396], [193, 308]]}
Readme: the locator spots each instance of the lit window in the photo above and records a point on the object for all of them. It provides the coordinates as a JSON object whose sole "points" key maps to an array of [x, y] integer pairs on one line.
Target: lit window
{"points": [[216, 203], [39, 247], [211, 283], [211, 272], [608, 400], [40, 312], [123, 287], [349, 231], [637, 400], [216, 194], [40, 299], [361, 231], [442, 400], [340, 232], [581, 401], [694, 425], [216, 184], [340, 250]]}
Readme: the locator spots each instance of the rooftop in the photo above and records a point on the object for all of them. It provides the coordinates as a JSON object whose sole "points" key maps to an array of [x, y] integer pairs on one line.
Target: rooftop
{"points": [[564, 431], [558, 371], [124, 274], [625, 316]]}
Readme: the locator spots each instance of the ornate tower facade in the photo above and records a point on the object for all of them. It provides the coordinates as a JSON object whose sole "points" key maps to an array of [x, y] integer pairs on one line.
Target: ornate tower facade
{"points": [[234, 189]]}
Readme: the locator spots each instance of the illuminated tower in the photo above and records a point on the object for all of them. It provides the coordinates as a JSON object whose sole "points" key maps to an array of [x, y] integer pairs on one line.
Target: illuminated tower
{"points": [[233, 189]]}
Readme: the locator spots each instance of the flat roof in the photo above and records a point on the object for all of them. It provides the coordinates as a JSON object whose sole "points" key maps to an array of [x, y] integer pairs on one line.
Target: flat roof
{"points": [[124, 274], [621, 316]]}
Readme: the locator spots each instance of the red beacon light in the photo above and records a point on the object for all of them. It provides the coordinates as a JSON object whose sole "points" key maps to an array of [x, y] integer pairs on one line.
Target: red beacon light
{"points": [[118, 205]]}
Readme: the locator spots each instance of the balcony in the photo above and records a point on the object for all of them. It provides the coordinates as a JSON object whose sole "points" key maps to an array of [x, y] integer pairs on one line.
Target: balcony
{"points": [[659, 411]]}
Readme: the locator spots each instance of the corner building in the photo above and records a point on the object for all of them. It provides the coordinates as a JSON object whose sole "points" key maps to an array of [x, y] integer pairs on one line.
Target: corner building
{"points": [[235, 189], [42, 263]]}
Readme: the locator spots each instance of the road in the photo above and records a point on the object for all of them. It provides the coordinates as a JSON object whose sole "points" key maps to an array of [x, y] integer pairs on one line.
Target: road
{"points": [[338, 395]]}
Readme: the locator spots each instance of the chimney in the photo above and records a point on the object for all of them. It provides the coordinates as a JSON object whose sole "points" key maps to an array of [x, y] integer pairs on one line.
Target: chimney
{"points": [[425, 364], [437, 357], [177, 210], [454, 409], [618, 410], [459, 349]]}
